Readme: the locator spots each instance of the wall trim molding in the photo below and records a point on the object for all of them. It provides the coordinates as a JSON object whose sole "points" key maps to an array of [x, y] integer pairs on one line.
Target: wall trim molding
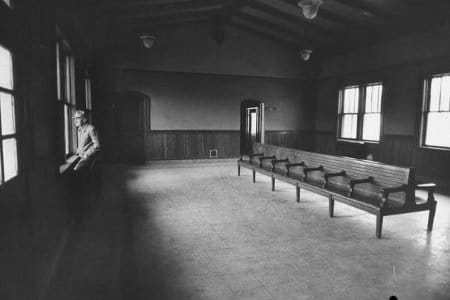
{"points": [[130, 69], [193, 130]]}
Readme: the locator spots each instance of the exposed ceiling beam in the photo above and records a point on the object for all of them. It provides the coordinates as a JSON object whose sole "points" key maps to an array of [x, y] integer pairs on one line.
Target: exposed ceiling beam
{"points": [[307, 41], [365, 9], [328, 15], [298, 21], [151, 5], [169, 13], [269, 34], [155, 26], [231, 10], [286, 25], [162, 19]]}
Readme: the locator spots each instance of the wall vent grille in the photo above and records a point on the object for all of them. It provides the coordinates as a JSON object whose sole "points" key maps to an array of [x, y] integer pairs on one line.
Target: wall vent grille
{"points": [[213, 153]]}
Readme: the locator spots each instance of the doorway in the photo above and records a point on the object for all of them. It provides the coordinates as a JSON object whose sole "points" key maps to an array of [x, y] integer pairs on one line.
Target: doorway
{"points": [[132, 115], [252, 124]]}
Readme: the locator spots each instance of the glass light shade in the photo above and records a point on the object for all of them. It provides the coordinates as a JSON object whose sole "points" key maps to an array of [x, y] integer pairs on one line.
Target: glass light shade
{"points": [[310, 8]]}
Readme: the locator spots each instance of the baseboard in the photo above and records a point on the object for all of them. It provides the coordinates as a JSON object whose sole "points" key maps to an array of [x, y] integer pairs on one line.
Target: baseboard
{"points": [[192, 161]]}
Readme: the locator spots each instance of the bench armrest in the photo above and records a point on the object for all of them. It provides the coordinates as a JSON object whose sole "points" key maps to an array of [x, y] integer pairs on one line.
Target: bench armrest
{"points": [[251, 155], [358, 181], [307, 170], [288, 166], [277, 161], [425, 186], [263, 158], [384, 193], [387, 191], [328, 175], [429, 187], [301, 164]]}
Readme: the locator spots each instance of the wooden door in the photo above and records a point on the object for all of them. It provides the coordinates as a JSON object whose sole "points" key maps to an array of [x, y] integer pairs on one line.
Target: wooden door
{"points": [[131, 112]]}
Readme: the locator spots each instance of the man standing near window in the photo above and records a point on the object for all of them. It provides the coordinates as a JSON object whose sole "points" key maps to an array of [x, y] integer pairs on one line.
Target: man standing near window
{"points": [[82, 175], [88, 141]]}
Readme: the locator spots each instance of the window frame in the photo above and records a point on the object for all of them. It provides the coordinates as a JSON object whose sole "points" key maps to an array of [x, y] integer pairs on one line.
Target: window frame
{"points": [[16, 135], [9, 4], [425, 110], [362, 88], [66, 92]]}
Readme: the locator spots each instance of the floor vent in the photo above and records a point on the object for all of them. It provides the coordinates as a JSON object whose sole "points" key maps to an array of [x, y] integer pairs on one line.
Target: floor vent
{"points": [[213, 153]]}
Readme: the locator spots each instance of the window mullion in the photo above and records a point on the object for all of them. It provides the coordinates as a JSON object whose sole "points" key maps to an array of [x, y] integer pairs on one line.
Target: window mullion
{"points": [[426, 110], [1, 152], [361, 108], [2, 179]]}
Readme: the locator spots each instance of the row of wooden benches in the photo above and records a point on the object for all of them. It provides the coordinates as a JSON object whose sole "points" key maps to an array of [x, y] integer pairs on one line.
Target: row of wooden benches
{"points": [[377, 188]]}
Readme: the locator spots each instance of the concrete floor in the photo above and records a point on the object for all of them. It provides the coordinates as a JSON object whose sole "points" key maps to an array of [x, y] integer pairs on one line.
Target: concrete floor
{"points": [[198, 231]]}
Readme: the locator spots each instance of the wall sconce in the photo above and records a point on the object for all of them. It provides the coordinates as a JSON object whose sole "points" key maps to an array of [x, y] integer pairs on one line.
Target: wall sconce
{"points": [[310, 8], [147, 40], [305, 54]]}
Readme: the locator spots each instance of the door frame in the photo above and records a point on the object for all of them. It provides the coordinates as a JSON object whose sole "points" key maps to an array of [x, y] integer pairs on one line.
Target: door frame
{"points": [[245, 105]]}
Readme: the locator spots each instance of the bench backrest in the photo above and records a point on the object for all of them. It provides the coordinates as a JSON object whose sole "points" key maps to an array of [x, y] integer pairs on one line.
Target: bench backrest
{"points": [[384, 175]]}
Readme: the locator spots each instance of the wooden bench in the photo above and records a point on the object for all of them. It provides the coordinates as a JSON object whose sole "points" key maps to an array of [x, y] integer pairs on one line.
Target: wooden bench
{"points": [[374, 187]]}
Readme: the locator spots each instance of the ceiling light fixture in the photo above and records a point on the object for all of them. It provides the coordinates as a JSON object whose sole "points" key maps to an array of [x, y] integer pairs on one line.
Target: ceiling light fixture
{"points": [[147, 40], [305, 54], [310, 8]]}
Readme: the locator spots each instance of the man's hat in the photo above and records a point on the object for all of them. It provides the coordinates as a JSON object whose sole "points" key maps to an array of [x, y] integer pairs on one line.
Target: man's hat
{"points": [[79, 114]]}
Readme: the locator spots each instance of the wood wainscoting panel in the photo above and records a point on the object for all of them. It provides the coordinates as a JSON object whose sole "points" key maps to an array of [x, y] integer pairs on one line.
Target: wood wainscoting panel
{"points": [[297, 139], [402, 150], [191, 144], [433, 163]]}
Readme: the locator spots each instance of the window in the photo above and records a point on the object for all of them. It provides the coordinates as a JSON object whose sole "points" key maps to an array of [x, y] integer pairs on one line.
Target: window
{"points": [[359, 113], [7, 2], [436, 112], [65, 68], [8, 138]]}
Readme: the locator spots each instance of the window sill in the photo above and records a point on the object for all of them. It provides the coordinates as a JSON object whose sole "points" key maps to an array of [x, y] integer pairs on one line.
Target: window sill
{"points": [[434, 148], [358, 141], [67, 164]]}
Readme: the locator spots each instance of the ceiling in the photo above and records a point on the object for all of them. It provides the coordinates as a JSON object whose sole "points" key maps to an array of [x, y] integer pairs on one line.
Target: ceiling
{"points": [[340, 25]]}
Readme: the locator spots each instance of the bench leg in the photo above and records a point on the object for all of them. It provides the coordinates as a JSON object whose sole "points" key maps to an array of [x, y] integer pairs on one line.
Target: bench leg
{"points": [[379, 225], [239, 170], [431, 218], [331, 206], [273, 184], [254, 176], [298, 193]]}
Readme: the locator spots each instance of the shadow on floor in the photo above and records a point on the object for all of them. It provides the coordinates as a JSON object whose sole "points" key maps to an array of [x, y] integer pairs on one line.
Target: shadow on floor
{"points": [[115, 252]]}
